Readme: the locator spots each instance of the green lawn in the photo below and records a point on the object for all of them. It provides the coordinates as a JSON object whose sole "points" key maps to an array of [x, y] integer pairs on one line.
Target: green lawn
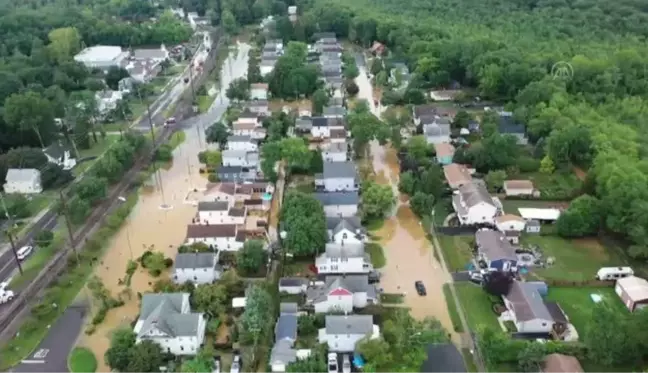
{"points": [[577, 304], [377, 254], [442, 209], [452, 309], [35, 262], [82, 360], [478, 306], [392, 298], [177, 138], [204, 102], [575, 260], [95, 151], [456, 251]]}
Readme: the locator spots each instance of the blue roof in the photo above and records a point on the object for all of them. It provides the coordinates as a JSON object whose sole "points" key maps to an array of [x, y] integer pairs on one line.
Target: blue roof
{"points": [[286, 327]]}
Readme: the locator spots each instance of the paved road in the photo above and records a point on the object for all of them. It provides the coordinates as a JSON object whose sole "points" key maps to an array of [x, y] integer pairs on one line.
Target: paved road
{"points": [[51, 355], [49, 219]]}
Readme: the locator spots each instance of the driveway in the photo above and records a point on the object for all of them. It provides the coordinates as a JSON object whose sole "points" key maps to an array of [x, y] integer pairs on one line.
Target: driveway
{"points": [[51, 355]]}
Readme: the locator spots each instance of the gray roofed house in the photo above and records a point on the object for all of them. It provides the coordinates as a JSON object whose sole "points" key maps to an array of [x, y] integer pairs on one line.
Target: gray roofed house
{"points": [[352, 283], [350, 250], [494, 245], [319, 122], [286, 327], [334, 81], [234, 153], [339, 170], [292, 281], [338, 198], [197, 268], [213, 206], [230, 173], [304, 123], [335, 224], [194, 260], [336, 147], [239, 138], [285, 330], [471, 194], [334, 111], [151, 54], [351, 324], [336, 101], [166, 317], [529, 310]]}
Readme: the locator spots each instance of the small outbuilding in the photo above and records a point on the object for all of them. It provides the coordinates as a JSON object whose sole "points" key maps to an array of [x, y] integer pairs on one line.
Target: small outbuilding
{"points": [[518, 187], [633, 291]]}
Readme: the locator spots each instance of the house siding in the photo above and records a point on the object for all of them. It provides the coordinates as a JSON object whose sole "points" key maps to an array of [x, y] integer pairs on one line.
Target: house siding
{"points": [[335, 303], [340, 342], [334, 157], [195, 275], [221, 243], [219, 218], [339, 184], [346, 265], [344, 211], [186, 345], [437, 139], [236, 145], [518, 191], [479, 214]]}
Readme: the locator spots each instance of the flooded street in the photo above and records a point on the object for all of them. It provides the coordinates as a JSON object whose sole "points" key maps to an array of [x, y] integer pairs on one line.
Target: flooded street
{"points": [[410, 255], [158, 221]]}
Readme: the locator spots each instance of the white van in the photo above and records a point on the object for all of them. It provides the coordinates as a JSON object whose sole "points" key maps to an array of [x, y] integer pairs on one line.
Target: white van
{"points": [[24, 252], [613, 273]]}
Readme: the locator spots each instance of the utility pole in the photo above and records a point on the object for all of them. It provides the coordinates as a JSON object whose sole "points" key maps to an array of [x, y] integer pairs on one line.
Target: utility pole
{"points": [[64, 210], [10, 234]]}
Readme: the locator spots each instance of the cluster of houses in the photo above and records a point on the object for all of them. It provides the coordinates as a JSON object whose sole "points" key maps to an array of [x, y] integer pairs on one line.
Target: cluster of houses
{"points": [[327, 52]]}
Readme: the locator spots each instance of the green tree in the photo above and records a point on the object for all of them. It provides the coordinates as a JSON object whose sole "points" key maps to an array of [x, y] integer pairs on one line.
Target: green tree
{"points": [[201, 363], [217, 133], [320, 99], [303, 218], [118, 354], [211, 299], [432, 181], [257, 318], [418, 148], [609, 346], [530, 359], [229, 22], [422, 204], [91, 189], [377, 200], [547, 166], [154, 263], [295, 152], [251, 258], [582, 218], [407, 183], [238, 90], [495, 180], [145, 356], [462, 119], [64, 43], [30, 111]]}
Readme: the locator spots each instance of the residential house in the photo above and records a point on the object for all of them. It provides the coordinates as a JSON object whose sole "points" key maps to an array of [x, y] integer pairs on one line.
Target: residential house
{"points": [[343, 258], [292, 13], [304, 124], [633, 291], [107, 101], [444, 153], [322, 126], [223, 237], [293, 285], [518, 188], [259, 91], [283, 352], [151, 54], [167, 320], [197, 268], [335, 152], [510, 222], [235, 174], [342, 333], [531, 313], [533, 226], [342, 294], [334, 82], [259, 107], [495, 251], [457, 175], [248, 116], [23, 181], [438, 131], [125, 85], [219, 213], [445, 95], [444, 358], [241, 158], [242, 142], [342, 204], [266, 66], [102, 57], [509, 126], [431, 111], [347, 229], [61, 155], [220, 192], [336, 101], [334, 112], [559, 363], [474, 205], [340, 176], [143, 71]]}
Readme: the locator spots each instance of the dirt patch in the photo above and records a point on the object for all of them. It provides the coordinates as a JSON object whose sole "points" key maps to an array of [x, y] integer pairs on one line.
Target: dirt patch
{"points": [[580, 174], [223, 334]]}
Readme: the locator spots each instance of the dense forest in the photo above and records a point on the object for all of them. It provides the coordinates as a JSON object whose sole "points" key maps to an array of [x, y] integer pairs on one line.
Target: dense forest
{"points": [[505, 50]]}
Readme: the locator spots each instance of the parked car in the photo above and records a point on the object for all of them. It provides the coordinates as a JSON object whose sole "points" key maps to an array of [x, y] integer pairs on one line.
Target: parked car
{"points": [[420, 288], [24, 252], [346, 364], [476, 277], [332, 363], [236, 363], [6, 296]]}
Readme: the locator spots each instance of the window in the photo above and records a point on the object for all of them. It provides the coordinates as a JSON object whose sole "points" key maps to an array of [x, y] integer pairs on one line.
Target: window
{"points": [[544, 324], [195, 278], [344, 235], [334, 267], [181, 348]]}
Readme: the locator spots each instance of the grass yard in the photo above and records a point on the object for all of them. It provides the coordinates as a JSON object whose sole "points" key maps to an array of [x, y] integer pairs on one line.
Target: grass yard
{"points": [[452, 309], [392, 298], [442, 209], [456, 251], [577, 304], [95, 151], [575, 260], [377, 254], [35, 262], [478, 305], [82, 360], [177, 138], [204, 102]]}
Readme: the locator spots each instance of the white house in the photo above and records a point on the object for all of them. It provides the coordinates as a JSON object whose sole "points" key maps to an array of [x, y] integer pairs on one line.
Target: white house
{"points": [[348, 230], [58, 154], [220, 192], [248, 128], [474, 205], [259, 91], [242, 158], [335, 152], [321, 126], [107, 101], [235, 142], [197, 268], [341, 333], [151, 54], [250, 117], [341, 294], [23, 180], [518, 187], [220, 213], [340, 176], [293, 285], [438, 131], [259, 107], [530, 312], [102, 57], [341, 258], [339, 204], [222, 237], [167, 320], [510, 222]]}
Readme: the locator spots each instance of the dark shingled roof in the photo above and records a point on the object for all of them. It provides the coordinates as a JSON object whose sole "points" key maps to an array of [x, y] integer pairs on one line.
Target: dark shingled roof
{"points": [[443, 358], [204, 231]]}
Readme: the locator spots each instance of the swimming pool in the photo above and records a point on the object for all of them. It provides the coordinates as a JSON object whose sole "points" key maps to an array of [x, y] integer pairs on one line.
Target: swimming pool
{"points": [[267, 196]]}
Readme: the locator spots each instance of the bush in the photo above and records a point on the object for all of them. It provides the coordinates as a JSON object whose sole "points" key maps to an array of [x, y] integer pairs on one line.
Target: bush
{"points": [[352, 88], [528, 164], [168, 262], [212, 178], [44, 238]]}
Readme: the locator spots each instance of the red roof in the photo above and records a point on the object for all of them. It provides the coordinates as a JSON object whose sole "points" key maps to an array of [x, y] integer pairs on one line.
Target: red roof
{"points": [[340, 291]]}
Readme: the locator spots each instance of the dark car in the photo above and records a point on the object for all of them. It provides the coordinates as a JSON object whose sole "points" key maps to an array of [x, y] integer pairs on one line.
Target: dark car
{"points": [[186, 80], [420, 288]]}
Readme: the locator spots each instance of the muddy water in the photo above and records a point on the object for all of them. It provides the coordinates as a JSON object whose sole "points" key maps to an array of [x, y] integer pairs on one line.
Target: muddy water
{"points": [[158, 222]]}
